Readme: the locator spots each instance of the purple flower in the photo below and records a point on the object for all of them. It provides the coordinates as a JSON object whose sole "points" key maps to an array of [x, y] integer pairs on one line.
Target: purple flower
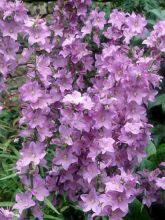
{"points": [[133, 127], [106, 145], [91, 202], [37, 31], [119, 201], [5, 214], [39, 190], [10, 29], [64, 158], [117, 18], [9, 48], [85, 106], [117, 215], [24, 201], [102, 119], [98, 19], [90, 172], [37, 212], [136, 96], [31, 153], [45, 72], [115, 184], [136, 23], [37, 119], [160, 182], [31, 92], [3, 67], [76, 98], [87, 28]]}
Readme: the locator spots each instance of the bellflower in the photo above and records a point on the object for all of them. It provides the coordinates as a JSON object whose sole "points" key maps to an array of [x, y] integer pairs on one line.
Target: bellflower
{"points": [[83, 101], [39, 189], [23, 201]]}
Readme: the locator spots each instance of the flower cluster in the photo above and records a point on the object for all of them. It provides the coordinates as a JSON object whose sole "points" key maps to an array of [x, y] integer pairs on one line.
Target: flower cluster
{"points": [[12, 17], [85, 97], [156, 38], [150, 185]]}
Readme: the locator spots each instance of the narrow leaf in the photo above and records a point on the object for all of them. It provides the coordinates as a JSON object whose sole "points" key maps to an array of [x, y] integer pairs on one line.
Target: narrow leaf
{"points": [[9, 177], [6, 204], [51, 217], [51, 206], [8, 156]]}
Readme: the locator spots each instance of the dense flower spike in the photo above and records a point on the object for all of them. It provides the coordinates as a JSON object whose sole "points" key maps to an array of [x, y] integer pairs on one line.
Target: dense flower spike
{"points": [[85, 96], [10, 27]]}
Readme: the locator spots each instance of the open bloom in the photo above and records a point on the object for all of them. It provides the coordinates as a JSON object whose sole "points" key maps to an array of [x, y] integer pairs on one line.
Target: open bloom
{"points": [[23, 201]]}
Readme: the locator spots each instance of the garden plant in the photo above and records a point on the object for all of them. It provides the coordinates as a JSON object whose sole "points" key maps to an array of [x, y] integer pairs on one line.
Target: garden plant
{"points": [[82, 111]]}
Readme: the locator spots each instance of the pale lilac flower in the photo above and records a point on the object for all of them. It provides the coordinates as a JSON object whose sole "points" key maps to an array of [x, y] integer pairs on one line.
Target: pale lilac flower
{"points": [[23, 201], [117, 215], [37, 212], [64, 158], [160, 182], [32, 153], [87, 28], [106, 145], [91, 202], [90, 172], [115, 184], [39, 190], [84, 101], [98, 19], [162, 164], [136, 23], [133, 127], [37, 31], [42, 64], [74, 98], [119, 201], [3, 67], [31, 92], [117, 18], [10, 29], [9, 48], [5, 214]]}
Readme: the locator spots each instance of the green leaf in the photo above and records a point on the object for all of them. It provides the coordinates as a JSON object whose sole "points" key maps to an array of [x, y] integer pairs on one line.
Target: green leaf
{"points": [[7, 156], [159, 101], [163, 108], [104, 218], [161, 153], [51, 206], [6, 204], [15, 151], [147, 164], [137, 212], [9, 177], [150, 149], [159, 13], [63, 209], [151, 22], [52, 217], [158, 134], [159, 156], [161, 147]]}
